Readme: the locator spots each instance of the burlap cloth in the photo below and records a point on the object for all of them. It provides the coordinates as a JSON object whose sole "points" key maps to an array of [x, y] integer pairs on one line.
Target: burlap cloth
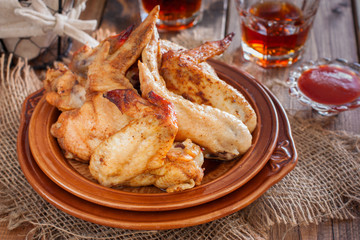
{"points": [[324, 185]]}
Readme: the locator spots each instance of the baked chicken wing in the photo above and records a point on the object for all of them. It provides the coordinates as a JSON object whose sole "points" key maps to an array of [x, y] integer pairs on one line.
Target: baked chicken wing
{"points": [[221, 133], [108, 70], [181, 170], [81, 130], [143, 153], [185, 76], [141, 145], [92, 119], [100, 69], [83, 57], [65, 90], [129, 139]]}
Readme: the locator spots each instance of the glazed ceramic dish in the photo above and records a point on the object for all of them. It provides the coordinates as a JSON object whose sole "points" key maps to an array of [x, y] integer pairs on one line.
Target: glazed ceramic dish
{"points": [[282, 160], [222, 180]]}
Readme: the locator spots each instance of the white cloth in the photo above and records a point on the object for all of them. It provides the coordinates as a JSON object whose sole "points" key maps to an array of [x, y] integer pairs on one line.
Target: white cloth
{"points": [[37, 20]]}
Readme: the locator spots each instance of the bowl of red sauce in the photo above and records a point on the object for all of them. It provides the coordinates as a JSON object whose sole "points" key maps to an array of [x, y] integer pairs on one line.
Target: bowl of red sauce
{"points": [[328, 86]]}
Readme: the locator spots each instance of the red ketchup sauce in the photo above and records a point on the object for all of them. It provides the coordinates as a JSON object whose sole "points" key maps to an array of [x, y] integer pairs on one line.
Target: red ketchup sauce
{"points": [[330, 85]]}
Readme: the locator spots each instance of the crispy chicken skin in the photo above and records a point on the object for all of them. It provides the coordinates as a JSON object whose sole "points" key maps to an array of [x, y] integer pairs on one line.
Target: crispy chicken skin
{"points": [[81, 130], [65, 90], [181, 170], [93, 119], [83, 57], [102, 76], [108, 70], [221, 133], [100, 69], [185, 76], [141, 145], [143, 153]]}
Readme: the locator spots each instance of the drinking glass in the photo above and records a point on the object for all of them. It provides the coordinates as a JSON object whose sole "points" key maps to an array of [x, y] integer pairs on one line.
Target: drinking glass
{"points": [[174, 14], [274, 32]]}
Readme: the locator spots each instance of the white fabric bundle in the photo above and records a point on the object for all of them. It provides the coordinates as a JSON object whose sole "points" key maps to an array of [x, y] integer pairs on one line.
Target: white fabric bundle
{"points": [[41, 25]]}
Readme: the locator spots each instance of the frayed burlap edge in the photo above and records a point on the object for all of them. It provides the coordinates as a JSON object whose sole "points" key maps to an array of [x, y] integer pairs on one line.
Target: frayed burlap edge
{"points": [[17, 81]]}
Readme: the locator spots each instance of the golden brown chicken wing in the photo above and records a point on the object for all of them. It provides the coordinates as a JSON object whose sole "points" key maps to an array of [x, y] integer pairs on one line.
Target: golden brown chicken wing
{"points": [[83, 57], [221, 133], [185, 76], [65, 90], [181, 170], [108, 70], [128, 138], [81, 130], [100, 69], [139, 147]]}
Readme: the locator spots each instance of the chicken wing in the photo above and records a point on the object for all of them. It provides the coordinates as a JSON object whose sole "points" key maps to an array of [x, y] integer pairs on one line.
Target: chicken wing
{"points": [[100, 69], [142, 145], [83, 57], [81, 130], [221, 133], [185, 76], [107, 71], [181, 170], [65, 90]]}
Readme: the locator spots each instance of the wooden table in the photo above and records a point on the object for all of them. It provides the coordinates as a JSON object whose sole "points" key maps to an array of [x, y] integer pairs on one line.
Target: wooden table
{"points": [[334, 35]]}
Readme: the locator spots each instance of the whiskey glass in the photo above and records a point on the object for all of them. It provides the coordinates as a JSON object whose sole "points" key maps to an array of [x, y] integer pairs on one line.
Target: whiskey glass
{"points": [[274, 32]]}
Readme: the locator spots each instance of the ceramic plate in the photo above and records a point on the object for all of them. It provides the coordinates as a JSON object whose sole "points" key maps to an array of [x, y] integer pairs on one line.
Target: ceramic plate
{"points": [[282, 161], [219, 181]]}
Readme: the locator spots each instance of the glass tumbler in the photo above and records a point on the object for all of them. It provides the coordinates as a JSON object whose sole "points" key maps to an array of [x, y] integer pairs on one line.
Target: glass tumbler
{"points": [[274, 32], [174, 15]]}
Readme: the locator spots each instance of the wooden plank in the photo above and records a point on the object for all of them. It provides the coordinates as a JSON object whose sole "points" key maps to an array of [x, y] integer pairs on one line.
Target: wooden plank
{"points": [[346, 230], [20, 233], [335, 229], [356, 12], [324, 230], [308, 231], [284, 232], [233, 25], [333, 32]]}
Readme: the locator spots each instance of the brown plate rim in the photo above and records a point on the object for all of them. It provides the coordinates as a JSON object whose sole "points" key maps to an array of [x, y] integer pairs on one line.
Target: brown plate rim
{"points": [[282, 161], [53, 164]]}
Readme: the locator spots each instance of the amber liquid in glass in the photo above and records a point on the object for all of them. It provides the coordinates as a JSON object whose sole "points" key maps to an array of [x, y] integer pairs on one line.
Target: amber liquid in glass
{"points": [[275, 33], [174, 13]]}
